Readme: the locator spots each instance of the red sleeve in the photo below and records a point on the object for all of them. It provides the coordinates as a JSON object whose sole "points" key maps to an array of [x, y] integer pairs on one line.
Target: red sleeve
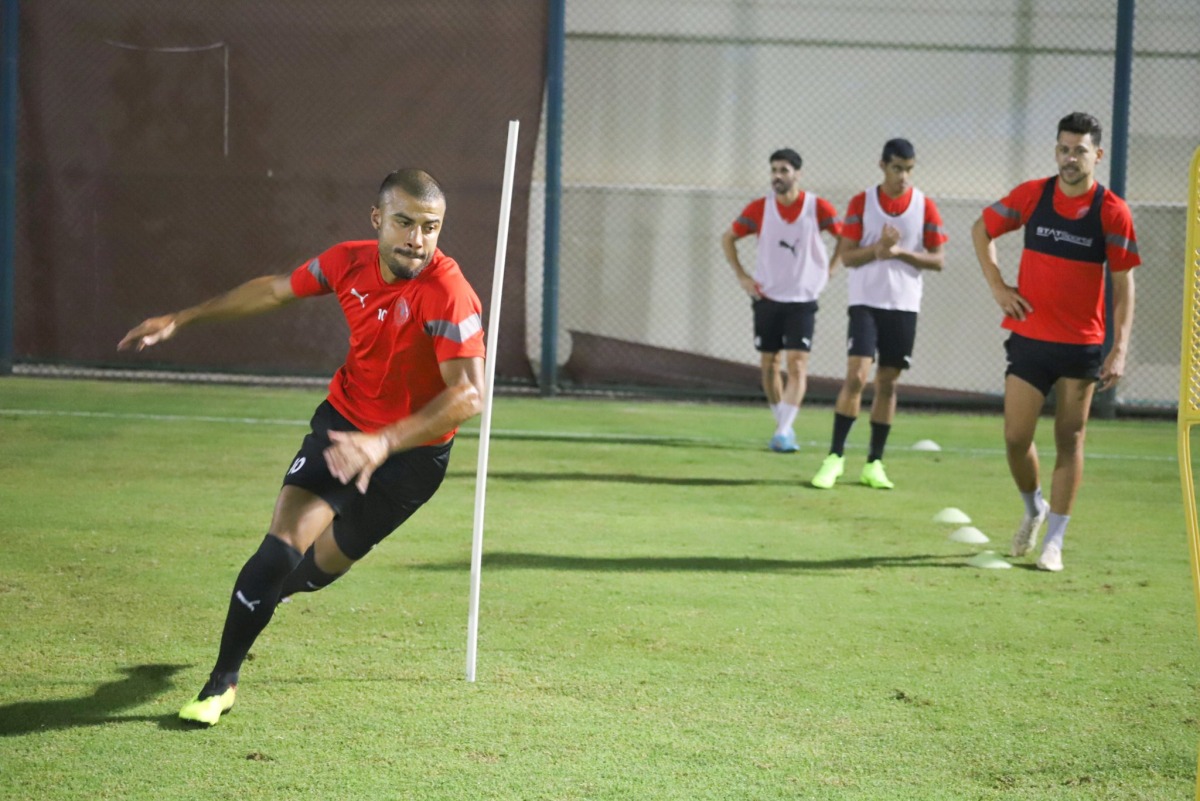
{"points": [[750, 220], [935, 229], [1119, 237], [455, 321], [852, 224], [827, 217], [1011, 213], [319, 275]]}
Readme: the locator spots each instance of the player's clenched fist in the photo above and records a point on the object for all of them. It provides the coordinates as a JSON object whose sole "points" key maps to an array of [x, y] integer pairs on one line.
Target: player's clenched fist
{"points": [[354, 453]]}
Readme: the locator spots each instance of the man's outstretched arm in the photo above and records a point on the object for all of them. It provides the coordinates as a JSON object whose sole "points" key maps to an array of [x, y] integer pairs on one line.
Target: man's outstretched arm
{"points": [[256, 296]]}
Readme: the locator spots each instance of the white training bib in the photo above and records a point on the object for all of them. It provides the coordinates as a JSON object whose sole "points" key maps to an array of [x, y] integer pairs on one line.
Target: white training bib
{"points": [[792, 264], [889, 284]]}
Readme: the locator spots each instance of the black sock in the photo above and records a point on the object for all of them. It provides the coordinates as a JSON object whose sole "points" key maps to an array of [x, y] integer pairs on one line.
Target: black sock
{"points": [[307, 577], [255, 596], [879, 435], [841, 430]]}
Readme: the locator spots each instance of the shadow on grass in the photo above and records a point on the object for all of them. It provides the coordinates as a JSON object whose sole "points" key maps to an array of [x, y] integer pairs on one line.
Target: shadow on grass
{"points": [[500, 560], [619, 439], [141, 684], [634, 478]]}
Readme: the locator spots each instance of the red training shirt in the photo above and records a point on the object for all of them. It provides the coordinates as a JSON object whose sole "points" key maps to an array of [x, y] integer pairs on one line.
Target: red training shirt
{"points": [[399, 332], [750, 220], [1067, 296], [934, 234]]}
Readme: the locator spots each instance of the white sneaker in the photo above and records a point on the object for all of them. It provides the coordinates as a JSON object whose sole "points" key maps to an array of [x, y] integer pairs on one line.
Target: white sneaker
{"points": [[1051, 558], [1026, 536]]}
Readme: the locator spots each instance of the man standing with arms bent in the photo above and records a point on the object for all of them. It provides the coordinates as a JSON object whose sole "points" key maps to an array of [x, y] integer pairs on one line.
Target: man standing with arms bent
{"points": [[791, 269], [891, 235], [1056, 315], [413, 373]]}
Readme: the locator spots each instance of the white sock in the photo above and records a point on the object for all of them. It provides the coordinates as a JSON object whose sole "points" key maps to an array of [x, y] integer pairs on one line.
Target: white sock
{"points": [[785, 417], [775, 407], [1056, 529], [1033, 502]]}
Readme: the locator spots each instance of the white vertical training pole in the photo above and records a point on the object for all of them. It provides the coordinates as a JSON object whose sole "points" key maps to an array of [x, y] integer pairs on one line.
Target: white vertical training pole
{"points": [[485, 420]]}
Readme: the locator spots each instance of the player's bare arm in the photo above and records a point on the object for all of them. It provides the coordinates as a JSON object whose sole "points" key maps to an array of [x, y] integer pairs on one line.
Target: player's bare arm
{"points": [[256, 296], [1123, 295], [932, 259], [729, 247], [836, 259], [1006, 296], [357, 454], [854, 255]]}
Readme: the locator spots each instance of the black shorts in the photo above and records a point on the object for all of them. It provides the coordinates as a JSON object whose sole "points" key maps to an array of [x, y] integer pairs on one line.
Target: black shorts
{"points": [[1041, 364], [888, 332], [784, 326], [398, 487]]}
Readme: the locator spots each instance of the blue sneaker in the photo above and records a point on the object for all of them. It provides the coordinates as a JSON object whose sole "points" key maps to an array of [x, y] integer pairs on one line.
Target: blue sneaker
{"points": [[784, 443]]}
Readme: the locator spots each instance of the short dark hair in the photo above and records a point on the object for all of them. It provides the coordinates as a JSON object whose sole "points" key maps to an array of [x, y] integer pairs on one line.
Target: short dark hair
{"points": [[900, 148], [788, 155], [1078, 122], [413, 182]]}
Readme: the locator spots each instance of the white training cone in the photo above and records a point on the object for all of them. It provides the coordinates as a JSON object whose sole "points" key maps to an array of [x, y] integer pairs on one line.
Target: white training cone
{"points": [[968, 534], [988, 560], [953, 515], [926, 445]]}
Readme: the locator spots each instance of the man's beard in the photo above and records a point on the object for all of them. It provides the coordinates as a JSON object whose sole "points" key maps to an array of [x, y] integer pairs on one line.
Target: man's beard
{"points": [[401, 271]]}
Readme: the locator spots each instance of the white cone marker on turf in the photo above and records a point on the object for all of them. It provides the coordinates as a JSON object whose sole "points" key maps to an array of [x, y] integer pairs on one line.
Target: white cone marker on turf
{"points": [[926, 445], [969, 535], [952, 514], [485, 420], [988, 560]]}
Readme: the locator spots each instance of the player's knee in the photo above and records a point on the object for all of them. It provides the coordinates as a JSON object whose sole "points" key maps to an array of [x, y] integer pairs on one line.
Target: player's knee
{"points": [[329, 557]]}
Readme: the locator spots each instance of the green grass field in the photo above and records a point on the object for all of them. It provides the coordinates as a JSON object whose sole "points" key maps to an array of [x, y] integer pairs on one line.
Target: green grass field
{"points": [[668, 612]]}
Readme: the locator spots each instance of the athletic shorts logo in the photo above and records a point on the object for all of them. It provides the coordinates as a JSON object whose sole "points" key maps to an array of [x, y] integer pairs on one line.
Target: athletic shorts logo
{"points": [[296, 465]]}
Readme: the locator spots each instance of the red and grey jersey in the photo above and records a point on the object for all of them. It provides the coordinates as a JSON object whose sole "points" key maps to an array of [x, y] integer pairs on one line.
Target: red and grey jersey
{"points": [[399, 332], [1067, 242]]}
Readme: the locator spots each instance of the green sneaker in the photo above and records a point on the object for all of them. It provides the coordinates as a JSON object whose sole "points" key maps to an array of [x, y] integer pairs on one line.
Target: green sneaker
{"points": [[873, 476], [831, 468], [208, 710]]}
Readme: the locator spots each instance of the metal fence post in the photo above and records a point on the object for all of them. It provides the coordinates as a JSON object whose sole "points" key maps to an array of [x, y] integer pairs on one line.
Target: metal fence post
{"points": [[555, 56], [1105, 405], [8, 184]]}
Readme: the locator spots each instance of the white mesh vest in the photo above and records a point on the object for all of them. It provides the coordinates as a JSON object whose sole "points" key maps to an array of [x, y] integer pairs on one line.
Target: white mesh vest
{"points": [[792, 263], [889, 284]]}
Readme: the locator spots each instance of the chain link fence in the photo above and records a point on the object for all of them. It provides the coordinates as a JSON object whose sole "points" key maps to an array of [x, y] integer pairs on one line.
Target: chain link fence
{"points": [[671, 108], [170, 151]]}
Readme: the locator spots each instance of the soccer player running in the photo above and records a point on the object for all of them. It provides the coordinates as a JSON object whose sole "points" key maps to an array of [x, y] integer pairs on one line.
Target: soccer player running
{"points": [[1057, 318], [380, 442], [791, 268], [891, 235]]}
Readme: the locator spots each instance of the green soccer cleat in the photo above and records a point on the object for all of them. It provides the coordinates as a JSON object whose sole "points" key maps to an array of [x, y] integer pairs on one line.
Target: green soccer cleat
{"points": [[831, 468], [208, 710], [874, 477]]}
